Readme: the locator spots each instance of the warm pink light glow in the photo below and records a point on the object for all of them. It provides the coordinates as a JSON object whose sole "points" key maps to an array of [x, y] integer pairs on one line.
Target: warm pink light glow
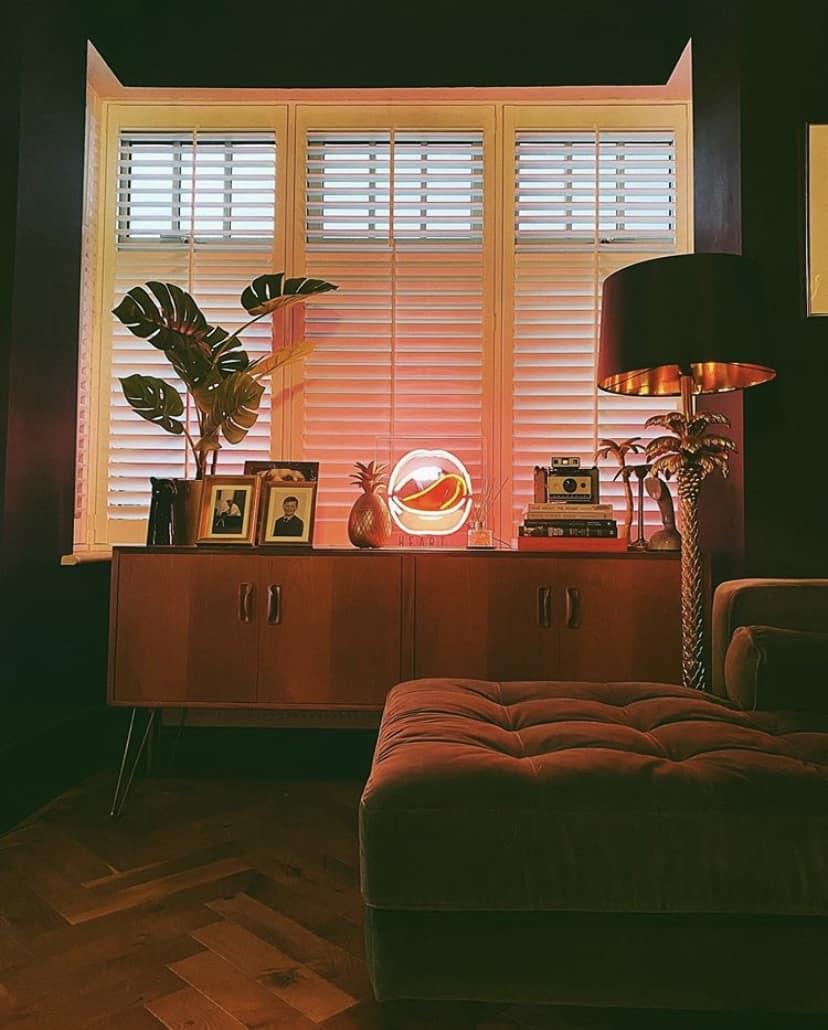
{"points": [[430, 493]]}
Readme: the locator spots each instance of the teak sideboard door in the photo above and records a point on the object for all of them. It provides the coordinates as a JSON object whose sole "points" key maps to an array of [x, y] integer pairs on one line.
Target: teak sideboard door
{"points": [[183, 630], [331, 633], [620, 620], [483, 618]]}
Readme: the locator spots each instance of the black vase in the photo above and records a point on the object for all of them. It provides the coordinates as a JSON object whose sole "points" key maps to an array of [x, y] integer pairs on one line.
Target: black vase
{"points": [[159, 526]]}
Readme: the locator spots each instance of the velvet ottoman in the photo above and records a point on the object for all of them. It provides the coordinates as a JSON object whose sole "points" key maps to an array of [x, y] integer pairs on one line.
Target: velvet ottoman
{"points": [[629, 844]]}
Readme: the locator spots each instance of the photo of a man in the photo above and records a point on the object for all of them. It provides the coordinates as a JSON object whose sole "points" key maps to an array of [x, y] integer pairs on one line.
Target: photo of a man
{"points": [[289, 523], [289, 513]]}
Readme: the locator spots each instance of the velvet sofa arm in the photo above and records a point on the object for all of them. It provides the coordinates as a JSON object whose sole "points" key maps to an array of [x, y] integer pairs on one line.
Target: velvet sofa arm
{"points": [[787, 603]]}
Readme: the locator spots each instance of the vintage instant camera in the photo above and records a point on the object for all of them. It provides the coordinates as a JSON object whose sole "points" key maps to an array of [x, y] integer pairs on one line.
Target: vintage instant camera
{"points": [[565, 480]]}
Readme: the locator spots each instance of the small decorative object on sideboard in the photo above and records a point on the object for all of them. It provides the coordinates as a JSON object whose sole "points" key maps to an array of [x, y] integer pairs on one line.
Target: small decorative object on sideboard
{"points": [[225, 385], [566, 513], [668, 538], [159, 524], [619, 451], [430, 493], [229, 509], [479, 533], [369, 523], [639, 542], [564, 480], [288, 512], [284, 470]]}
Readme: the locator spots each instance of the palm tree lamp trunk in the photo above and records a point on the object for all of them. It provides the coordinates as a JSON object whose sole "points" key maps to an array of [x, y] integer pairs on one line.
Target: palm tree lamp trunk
{"points": [[682, 326]]}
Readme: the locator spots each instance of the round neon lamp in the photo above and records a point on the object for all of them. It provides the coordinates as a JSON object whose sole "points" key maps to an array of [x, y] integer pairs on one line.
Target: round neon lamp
{"points": [[429, 493]]}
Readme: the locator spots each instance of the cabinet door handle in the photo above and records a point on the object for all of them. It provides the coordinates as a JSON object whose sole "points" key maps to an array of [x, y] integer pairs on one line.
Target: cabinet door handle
{"points": [[245, 602], [544, 607], [573, 607], [274, 604]]}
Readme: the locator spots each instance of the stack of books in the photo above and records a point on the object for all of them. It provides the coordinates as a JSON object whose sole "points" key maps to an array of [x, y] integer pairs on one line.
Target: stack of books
{"points": [[566, 526]]}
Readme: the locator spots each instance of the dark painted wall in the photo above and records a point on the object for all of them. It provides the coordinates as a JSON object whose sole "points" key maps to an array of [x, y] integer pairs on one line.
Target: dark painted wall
{"points": [[784, 86], [53, 628], [717, 212]]}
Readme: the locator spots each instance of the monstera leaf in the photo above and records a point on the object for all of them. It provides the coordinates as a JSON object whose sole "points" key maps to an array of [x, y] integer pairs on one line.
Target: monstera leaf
{"points": [[173, 311], [155, 400], [171, 320], [286, 356], [271, 292], [234, 408]]}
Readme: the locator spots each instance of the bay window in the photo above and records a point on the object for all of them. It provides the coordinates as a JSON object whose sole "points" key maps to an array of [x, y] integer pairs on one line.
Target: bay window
{"points": [[469, 243]]}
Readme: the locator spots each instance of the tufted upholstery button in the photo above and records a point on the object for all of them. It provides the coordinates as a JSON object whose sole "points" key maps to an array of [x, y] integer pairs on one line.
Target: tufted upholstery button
{"points": [[596, 797]]}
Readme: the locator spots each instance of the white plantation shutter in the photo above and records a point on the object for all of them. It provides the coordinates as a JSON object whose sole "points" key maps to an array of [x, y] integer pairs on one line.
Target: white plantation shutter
{"points": [[586, 204], [89, 255], [195, 209], [396, 220]]}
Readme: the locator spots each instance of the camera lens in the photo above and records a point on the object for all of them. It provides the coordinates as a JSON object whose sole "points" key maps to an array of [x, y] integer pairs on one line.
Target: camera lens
{"points": [[570, 485]]}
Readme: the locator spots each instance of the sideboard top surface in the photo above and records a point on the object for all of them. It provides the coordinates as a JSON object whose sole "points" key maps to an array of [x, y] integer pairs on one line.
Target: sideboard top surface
{"points": [[368, 553]]}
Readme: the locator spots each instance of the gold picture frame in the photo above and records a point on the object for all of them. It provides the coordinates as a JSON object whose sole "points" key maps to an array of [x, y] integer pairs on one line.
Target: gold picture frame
{"points": [[817, 220], [229, 510], [287, 514]]}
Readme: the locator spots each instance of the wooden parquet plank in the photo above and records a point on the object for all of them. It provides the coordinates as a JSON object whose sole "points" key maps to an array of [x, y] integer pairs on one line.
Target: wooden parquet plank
{"points": [[239, 995], [153, 890], [131, 1019], [73, 999], [39, 867], [117, 881], [327, 960], [310, 913], [305, 882], [188, 1010], [79, 951], [20, 906], [76, 862], [288, 979]]}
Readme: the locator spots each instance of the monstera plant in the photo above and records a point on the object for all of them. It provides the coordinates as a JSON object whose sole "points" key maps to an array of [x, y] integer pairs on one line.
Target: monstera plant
{"points": [[225, 385]]}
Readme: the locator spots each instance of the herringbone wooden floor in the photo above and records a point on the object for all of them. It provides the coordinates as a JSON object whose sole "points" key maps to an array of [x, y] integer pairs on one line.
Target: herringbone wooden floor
{"points": [[219, 904]]}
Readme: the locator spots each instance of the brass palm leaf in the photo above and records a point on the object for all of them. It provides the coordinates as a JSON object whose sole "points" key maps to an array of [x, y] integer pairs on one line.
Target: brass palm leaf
{"points": [[673, 420]]}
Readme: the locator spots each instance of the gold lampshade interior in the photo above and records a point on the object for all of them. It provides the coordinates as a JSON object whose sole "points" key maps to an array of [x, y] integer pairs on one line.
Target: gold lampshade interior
{"points": [[708, 377]]}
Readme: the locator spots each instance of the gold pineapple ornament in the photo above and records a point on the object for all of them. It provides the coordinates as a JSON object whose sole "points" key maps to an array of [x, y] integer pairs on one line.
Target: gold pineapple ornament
{"points": [[369, 524]]}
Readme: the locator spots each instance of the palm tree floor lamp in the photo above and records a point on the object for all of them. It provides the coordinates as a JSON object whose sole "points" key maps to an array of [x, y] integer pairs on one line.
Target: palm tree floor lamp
{"points": [[681, 326]]}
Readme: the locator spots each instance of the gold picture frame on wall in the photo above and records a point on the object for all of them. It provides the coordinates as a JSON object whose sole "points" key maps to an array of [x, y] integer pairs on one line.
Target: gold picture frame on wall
{"points": [[817, 220]]}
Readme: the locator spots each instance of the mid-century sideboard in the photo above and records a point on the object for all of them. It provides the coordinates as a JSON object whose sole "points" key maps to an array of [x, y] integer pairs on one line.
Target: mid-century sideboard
{"points": [[330, 631]]}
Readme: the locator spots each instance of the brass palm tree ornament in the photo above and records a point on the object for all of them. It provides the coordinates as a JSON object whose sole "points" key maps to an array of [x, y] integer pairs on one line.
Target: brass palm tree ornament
{"points": [[690, 453], [619, 451]]}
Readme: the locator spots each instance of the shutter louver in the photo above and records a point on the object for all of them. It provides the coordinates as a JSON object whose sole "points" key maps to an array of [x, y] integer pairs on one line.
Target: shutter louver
{"points": [[586, 204], [196, 210], [397, 221]]}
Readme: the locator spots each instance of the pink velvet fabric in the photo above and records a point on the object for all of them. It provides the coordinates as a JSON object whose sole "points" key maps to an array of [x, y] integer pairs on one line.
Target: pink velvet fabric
{"points": [[601, 797]]}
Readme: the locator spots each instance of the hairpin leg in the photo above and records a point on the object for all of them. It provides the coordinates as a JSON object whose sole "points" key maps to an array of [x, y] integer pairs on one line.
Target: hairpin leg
{"points": [[121, 788], [179, 733]]}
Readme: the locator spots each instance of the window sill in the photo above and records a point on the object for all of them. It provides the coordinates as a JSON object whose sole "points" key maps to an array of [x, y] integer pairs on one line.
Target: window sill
{"points": [[85, 557]]}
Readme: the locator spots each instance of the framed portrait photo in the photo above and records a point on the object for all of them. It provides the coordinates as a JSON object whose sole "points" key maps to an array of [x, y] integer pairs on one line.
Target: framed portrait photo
{"points": [[284, 470], [287, 513], [229, 510]]}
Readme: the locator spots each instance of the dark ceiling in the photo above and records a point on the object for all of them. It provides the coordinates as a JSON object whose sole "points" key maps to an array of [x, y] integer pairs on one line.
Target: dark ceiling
{"points": [[428, 43]]}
